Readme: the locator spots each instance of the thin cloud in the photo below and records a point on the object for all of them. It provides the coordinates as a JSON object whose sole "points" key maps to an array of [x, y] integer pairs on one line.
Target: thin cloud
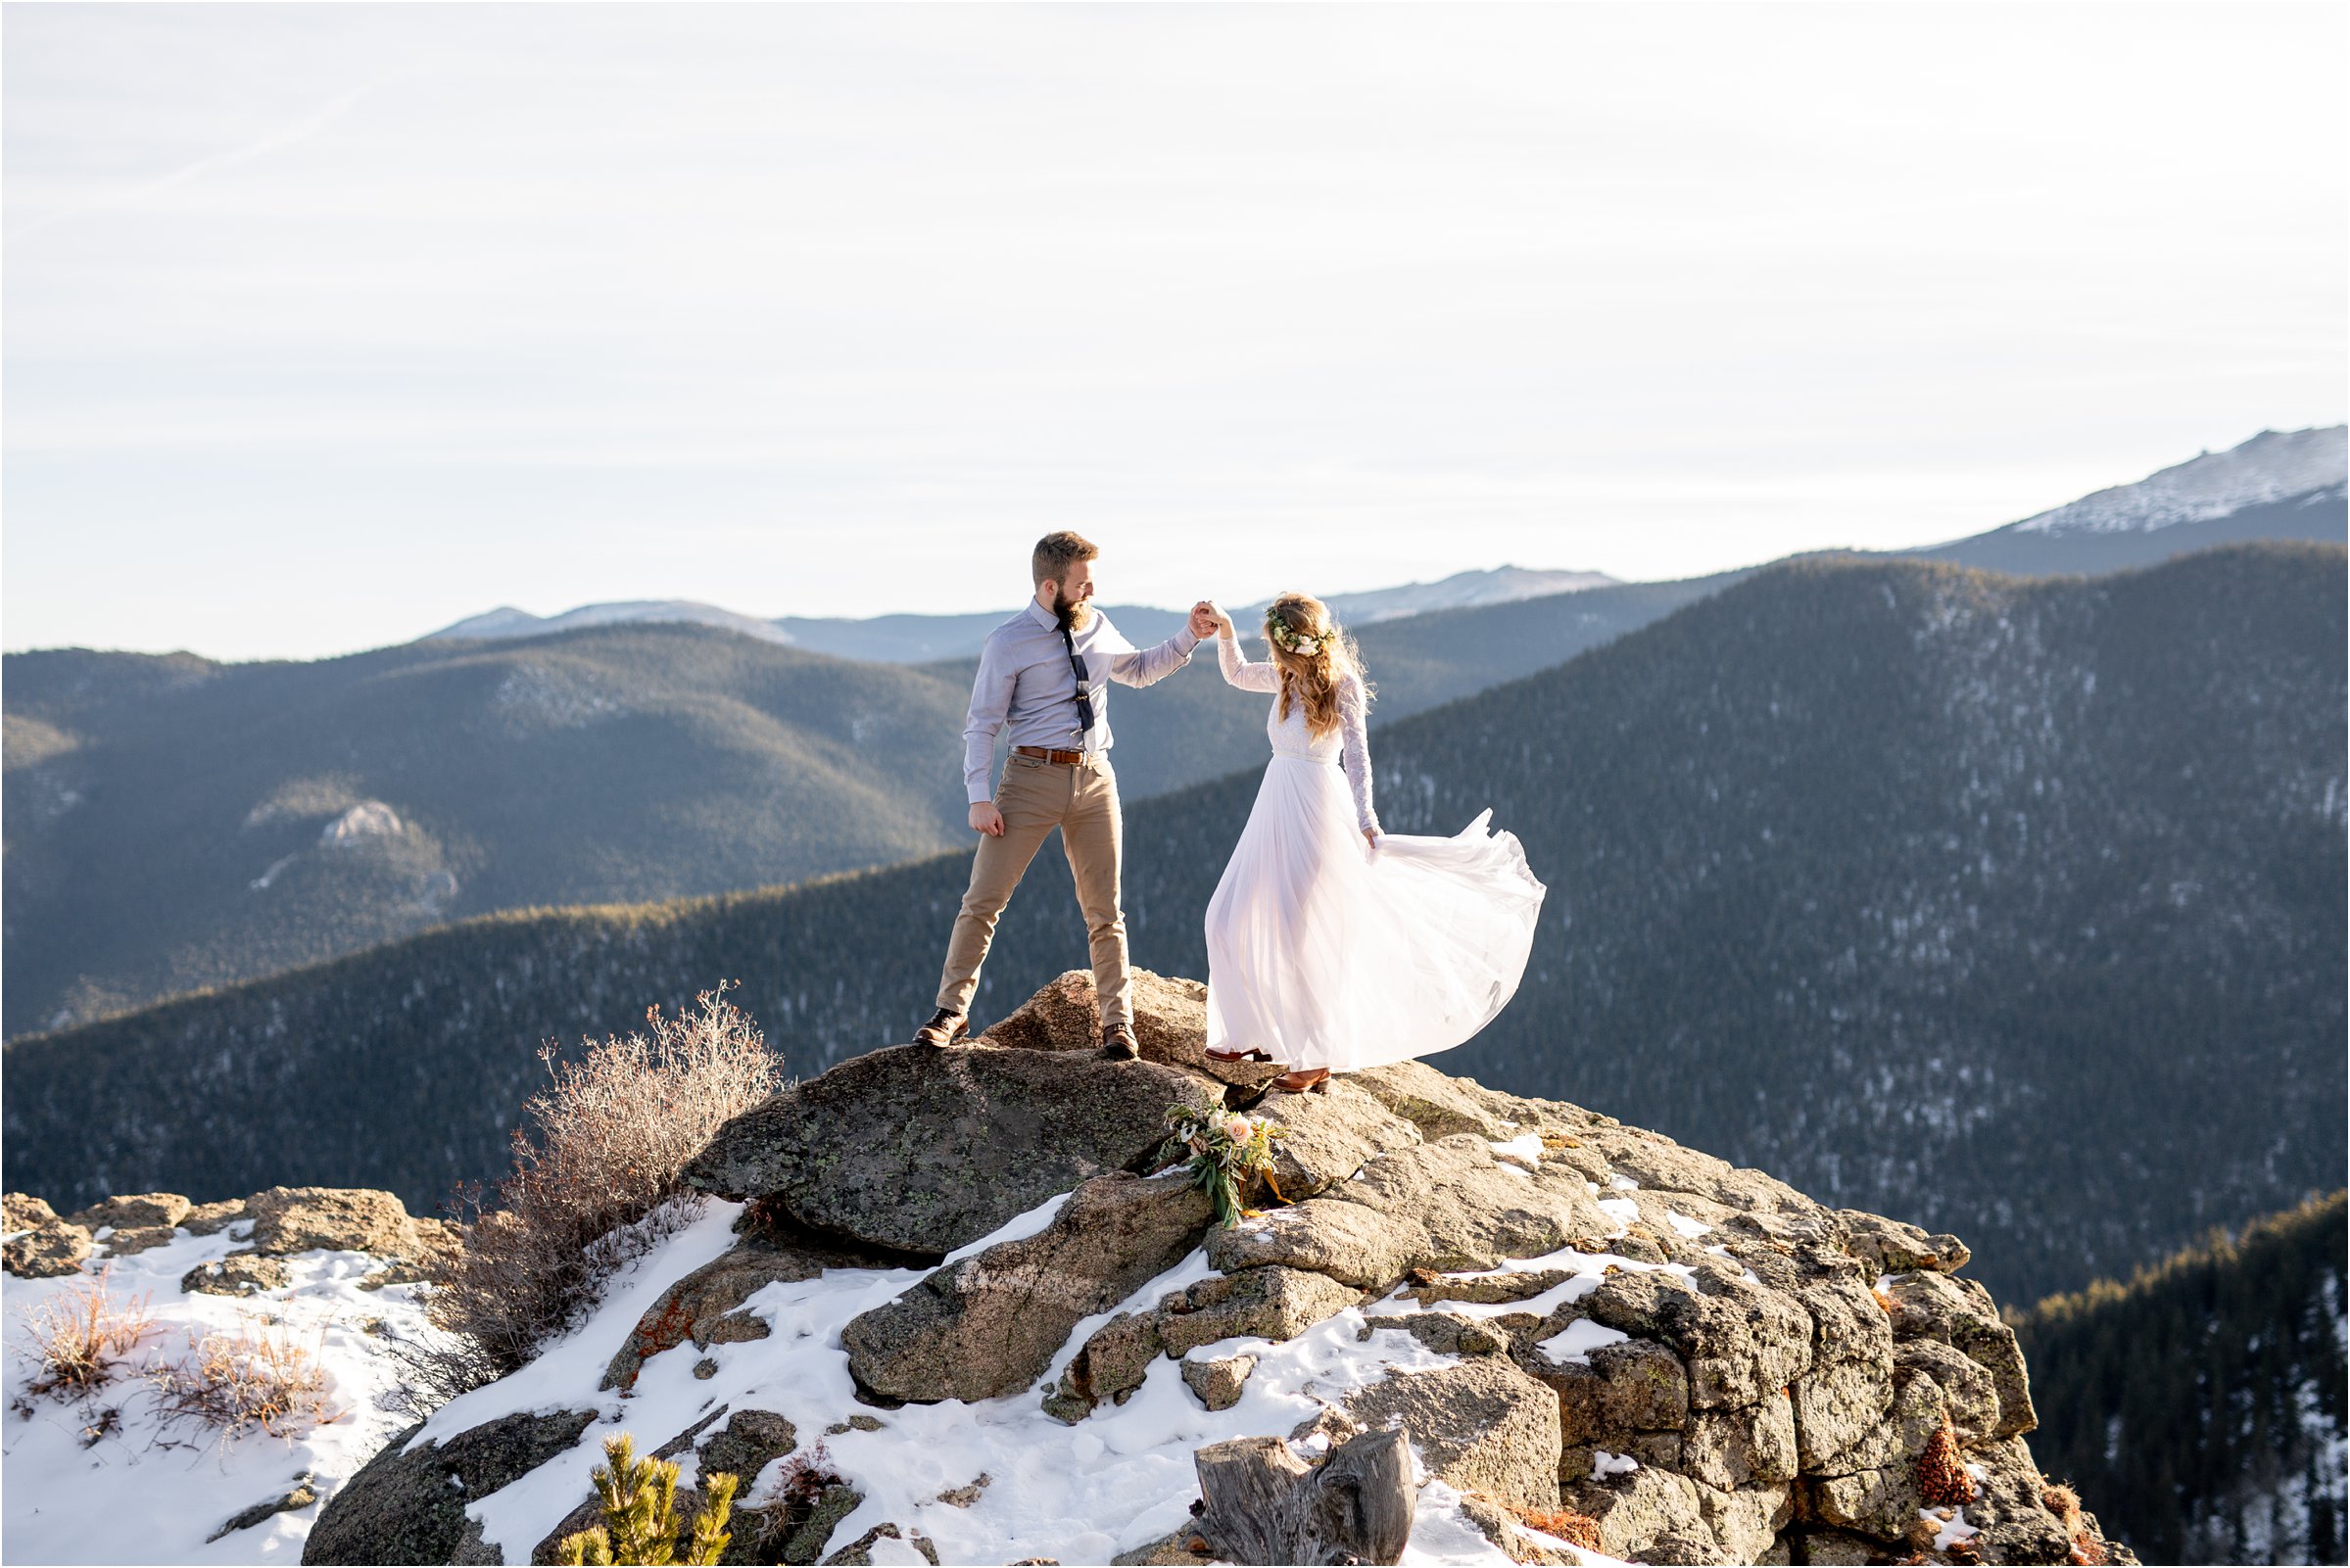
{"points": [[277, 140]]}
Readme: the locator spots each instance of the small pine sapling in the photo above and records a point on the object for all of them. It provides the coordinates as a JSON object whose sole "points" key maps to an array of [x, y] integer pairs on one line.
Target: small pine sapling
{"points": [[639, 1497]]}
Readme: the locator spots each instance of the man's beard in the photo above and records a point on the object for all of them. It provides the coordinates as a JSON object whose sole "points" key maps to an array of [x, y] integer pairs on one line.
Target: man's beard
{"points": [[1070, 614]]}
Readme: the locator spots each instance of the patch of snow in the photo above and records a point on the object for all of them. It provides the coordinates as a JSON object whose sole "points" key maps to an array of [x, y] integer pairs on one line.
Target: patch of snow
{"points": [[1526, 1146], [1619, 1181], [1119, 1479], [369, 819], [2271, 467], [151, 1493], [1605, 1465], [1583, 1271], [1949, 1531], [1020, 1227], [1685, 1225], [1083, 1493], [1573, 1345], [1623, 1211]]}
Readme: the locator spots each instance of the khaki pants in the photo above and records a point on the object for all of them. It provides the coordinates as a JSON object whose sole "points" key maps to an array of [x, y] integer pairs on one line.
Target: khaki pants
{"points": [[1035, 798]]}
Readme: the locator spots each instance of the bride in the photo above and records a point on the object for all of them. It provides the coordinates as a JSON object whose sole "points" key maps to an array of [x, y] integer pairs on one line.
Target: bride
{"points": [[1332, 945]]}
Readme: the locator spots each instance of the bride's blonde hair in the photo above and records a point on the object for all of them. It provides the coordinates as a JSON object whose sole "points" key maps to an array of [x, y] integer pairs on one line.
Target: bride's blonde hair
{"points": [[1313, 656]]}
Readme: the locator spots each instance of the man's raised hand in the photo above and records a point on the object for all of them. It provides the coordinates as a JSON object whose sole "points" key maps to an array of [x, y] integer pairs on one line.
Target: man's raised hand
{"points": [[986, 818], [1205, 620]]}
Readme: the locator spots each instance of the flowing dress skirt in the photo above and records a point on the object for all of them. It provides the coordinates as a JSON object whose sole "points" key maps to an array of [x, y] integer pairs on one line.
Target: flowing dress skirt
{"points": [[1325, 952]]}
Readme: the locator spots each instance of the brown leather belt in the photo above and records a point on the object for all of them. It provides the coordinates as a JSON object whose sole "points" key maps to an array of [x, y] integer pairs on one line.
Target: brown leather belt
{"points": [[1067, 759]]}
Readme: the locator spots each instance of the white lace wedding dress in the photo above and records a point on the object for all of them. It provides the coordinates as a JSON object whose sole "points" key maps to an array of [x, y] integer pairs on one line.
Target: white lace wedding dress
{"points": [[1326, 952]]}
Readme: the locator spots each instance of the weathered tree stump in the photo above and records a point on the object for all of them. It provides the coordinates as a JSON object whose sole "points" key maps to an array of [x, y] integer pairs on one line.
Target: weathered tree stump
{"points": [[1262, 1504]]}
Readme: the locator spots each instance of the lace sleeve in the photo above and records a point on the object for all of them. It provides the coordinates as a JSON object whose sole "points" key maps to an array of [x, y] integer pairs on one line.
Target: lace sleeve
{"points": [[1239, 672], [1353, 713]]}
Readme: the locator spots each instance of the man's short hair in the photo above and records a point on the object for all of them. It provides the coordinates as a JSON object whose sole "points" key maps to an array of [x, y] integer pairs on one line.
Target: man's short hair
{"points": [[1057, 552]]}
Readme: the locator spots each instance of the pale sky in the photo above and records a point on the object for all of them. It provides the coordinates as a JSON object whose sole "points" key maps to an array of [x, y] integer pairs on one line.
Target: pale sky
{"points": [[326, 325]]}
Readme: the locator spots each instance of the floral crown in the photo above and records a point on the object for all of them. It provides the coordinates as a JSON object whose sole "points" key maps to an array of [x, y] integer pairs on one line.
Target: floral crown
{"points": [[1302, 645]]}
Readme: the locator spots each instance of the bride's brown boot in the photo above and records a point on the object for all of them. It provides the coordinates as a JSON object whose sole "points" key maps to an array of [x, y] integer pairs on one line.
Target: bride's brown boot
{"points": [[1315, 1081]]}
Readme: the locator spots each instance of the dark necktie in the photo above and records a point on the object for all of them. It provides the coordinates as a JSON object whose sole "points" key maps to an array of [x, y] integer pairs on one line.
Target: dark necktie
{"points": [[1084, 693]]}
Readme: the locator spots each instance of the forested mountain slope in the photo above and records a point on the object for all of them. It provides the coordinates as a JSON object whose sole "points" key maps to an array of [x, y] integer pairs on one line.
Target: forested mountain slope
{"points": [[2011, 908], [172, 822], [2203, 1401], [175, 823]]}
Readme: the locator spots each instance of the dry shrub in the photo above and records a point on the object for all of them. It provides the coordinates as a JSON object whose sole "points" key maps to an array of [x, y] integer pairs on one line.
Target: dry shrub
{"points": [[2064, 1503], [802, 1477], [595, 1185], [1942, 1478], [253, 1377], [763, 1526], [1575, 1529], [78, 1336]]}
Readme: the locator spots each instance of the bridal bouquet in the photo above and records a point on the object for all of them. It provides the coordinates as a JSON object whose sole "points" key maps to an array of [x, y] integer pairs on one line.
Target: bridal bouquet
{"points": [[1224, 1146]]}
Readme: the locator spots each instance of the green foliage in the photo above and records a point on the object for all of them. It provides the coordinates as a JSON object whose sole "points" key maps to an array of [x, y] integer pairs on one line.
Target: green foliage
{"points": [[2013, 909], [640, 1513], [2201, 1406], [1224, 1148]]}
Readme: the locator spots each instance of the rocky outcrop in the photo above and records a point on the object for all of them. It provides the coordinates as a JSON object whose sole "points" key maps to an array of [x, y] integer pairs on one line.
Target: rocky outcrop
{"points": [[922, 1150], [406, 1507], [300, 1219], [701, 1308], [1482, 1425], [22, 1211], [1271, 1304], [285, 1220], [300, 1495], [244, 1275], [1326, 1137], [46, 1251], [1670, 1358], [146, 1211], [989, 1324], [1170, 1024]]}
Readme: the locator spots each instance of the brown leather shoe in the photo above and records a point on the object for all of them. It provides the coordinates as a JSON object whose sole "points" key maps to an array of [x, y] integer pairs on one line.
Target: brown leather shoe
{"points": [[1305, 1081], [1119, 1043], [943, 1030]]}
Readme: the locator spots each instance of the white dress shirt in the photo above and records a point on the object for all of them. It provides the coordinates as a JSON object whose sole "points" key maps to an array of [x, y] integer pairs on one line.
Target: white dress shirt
{"points": [[1026, 686]]}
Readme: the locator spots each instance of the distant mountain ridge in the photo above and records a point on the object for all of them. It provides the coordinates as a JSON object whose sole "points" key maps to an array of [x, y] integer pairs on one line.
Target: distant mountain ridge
{"points": [[2269, 467], [164, 814], [2277, 485], [2007, 907], [918, 639]]}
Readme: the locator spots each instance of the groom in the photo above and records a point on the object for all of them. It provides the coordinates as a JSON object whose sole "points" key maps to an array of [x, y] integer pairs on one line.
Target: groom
{"points": [[1041, 677]]}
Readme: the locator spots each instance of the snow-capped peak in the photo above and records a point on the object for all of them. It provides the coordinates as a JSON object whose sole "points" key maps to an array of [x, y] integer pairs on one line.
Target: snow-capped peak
{"points": [[2271, 467]]}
